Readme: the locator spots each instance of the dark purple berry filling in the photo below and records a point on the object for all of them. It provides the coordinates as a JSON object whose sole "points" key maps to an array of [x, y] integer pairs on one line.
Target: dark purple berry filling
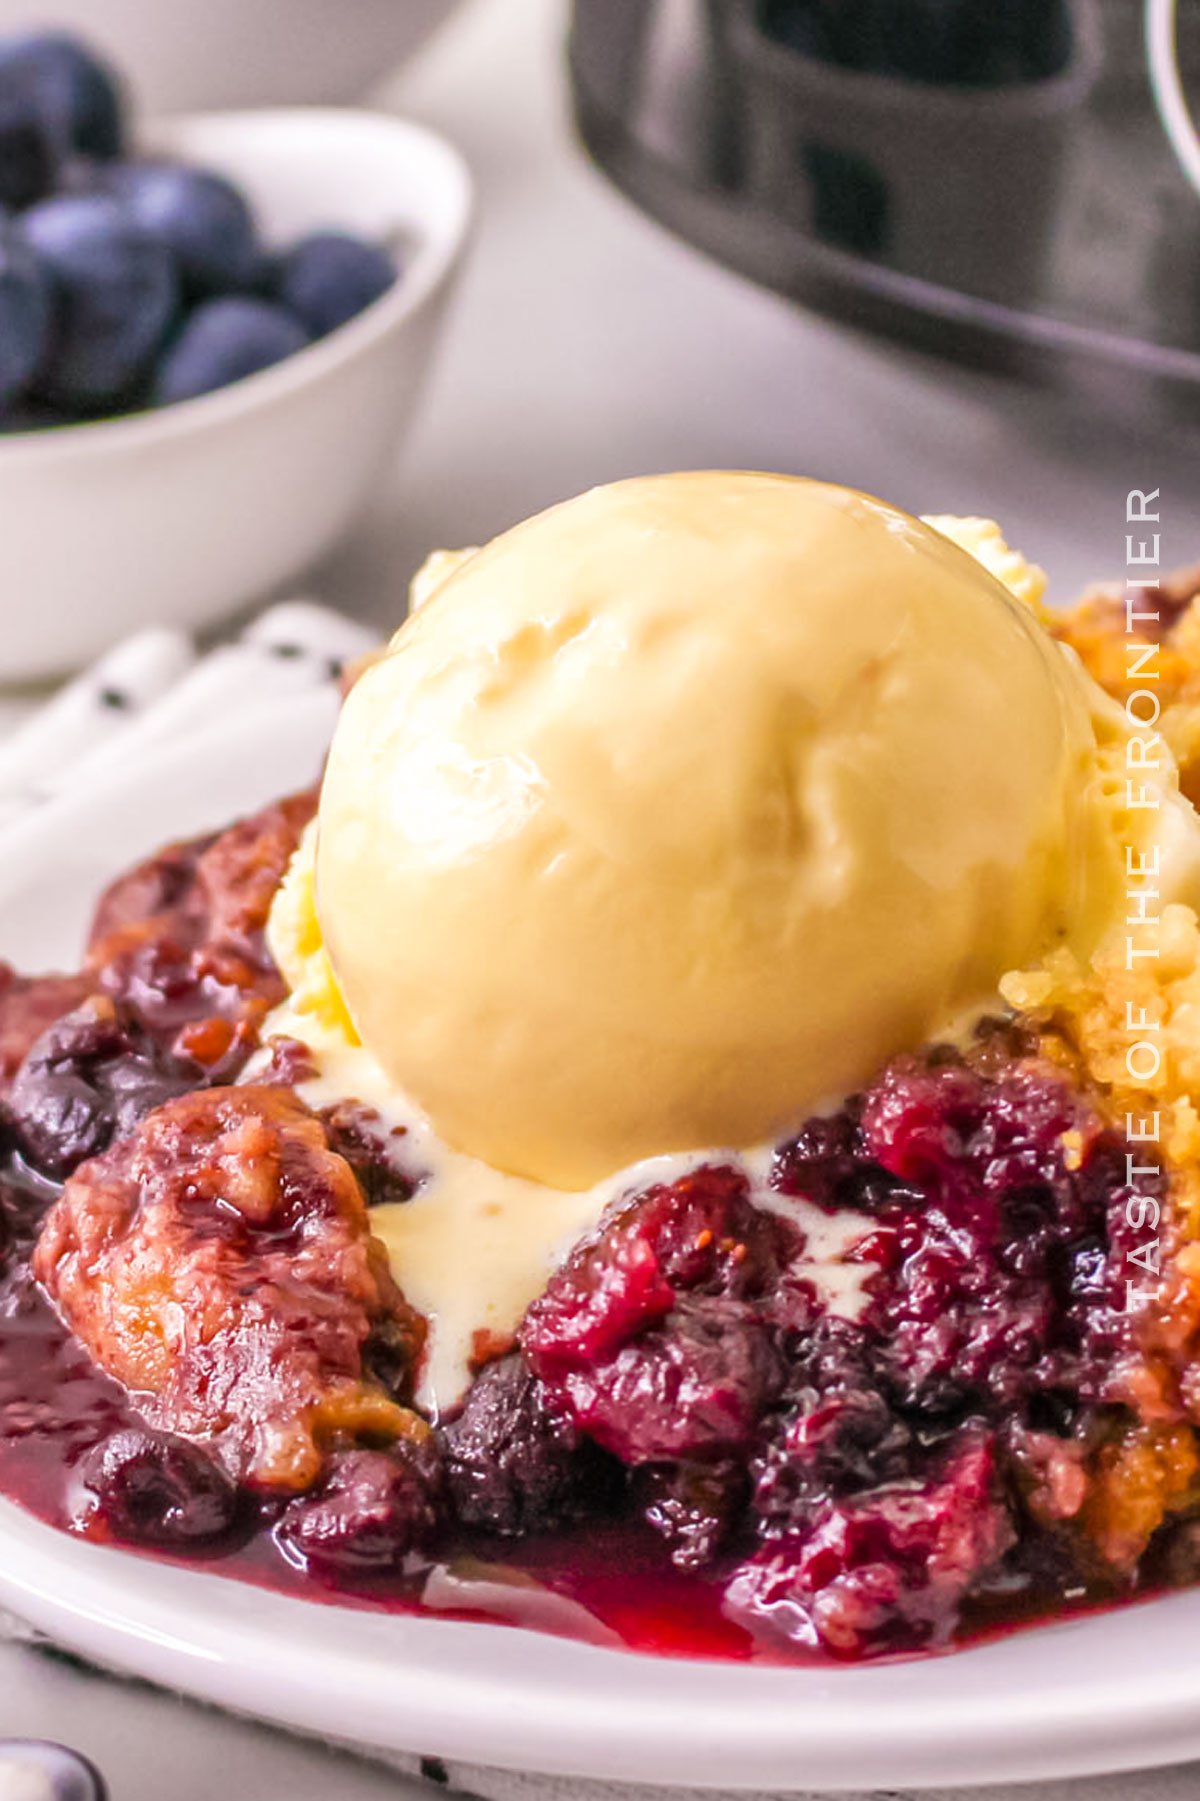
{"points": [[370, 1511]]}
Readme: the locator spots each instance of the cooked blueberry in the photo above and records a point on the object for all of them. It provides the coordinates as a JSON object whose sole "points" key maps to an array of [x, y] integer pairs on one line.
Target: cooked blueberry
{"points": [[24, 314], [695, 1506], [153, 1489], [514, 1464], [358, 1134], [72, 90], [886, 1570], [833, 1434], [652, 1337], [373, 1508], [114, 291], [89, 1078], [329, 277], [1000, 1276], [224, 341], [201, 217]]}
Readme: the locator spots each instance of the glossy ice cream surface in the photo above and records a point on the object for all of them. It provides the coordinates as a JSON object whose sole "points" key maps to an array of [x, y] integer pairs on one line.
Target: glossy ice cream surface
{"points": [[678, 808]]}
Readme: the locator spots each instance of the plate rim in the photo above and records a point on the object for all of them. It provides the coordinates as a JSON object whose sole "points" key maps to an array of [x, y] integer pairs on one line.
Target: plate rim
{"points": [[232, 1644]]}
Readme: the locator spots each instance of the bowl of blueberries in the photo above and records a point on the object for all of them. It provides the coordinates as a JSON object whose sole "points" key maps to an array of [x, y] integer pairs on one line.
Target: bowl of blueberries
{"points": [[212, 336]]}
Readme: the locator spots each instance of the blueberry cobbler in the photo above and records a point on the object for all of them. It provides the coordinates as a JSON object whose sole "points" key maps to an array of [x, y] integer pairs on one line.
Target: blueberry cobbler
{"points": [[689, 1137]]}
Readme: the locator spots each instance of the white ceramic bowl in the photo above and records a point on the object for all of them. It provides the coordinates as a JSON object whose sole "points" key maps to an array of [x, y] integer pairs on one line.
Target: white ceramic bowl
{"points": [[183, 514], [180, 55]]}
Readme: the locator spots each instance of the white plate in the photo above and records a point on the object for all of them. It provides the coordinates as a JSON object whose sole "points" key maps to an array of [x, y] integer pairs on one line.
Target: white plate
{"points": [[1111, 1692]]}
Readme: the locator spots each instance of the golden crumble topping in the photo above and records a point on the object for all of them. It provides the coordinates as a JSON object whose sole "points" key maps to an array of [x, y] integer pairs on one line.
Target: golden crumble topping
{"points": [[1091, 1016], [1096, 629]]}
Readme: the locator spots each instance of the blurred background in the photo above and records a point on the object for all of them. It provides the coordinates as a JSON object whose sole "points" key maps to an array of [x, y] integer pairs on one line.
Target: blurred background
{"points": [[588, 342], [935, 248]]}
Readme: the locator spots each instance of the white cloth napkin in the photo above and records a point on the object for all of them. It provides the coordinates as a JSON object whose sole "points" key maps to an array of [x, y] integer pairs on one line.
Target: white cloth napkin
{"points": [[155, 690]]}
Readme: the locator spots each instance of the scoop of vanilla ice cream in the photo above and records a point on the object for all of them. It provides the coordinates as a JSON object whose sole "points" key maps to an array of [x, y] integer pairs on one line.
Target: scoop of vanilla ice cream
{"points": [[686, 804]]}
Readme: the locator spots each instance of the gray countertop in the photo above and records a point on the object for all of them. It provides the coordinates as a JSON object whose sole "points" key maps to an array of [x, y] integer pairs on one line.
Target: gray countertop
{"points": [[155, 1747]]}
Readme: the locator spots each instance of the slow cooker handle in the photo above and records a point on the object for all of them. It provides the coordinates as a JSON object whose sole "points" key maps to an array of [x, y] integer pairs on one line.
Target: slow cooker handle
{"points": [[1166, 84]]}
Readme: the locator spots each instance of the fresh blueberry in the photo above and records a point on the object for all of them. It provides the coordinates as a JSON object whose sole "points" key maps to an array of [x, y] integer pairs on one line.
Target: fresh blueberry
{"points": [[80, 175], [28, 153], [114, 291], [74, 93], [24, 314], [223, 341], [201, 217], [330, 276]]}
